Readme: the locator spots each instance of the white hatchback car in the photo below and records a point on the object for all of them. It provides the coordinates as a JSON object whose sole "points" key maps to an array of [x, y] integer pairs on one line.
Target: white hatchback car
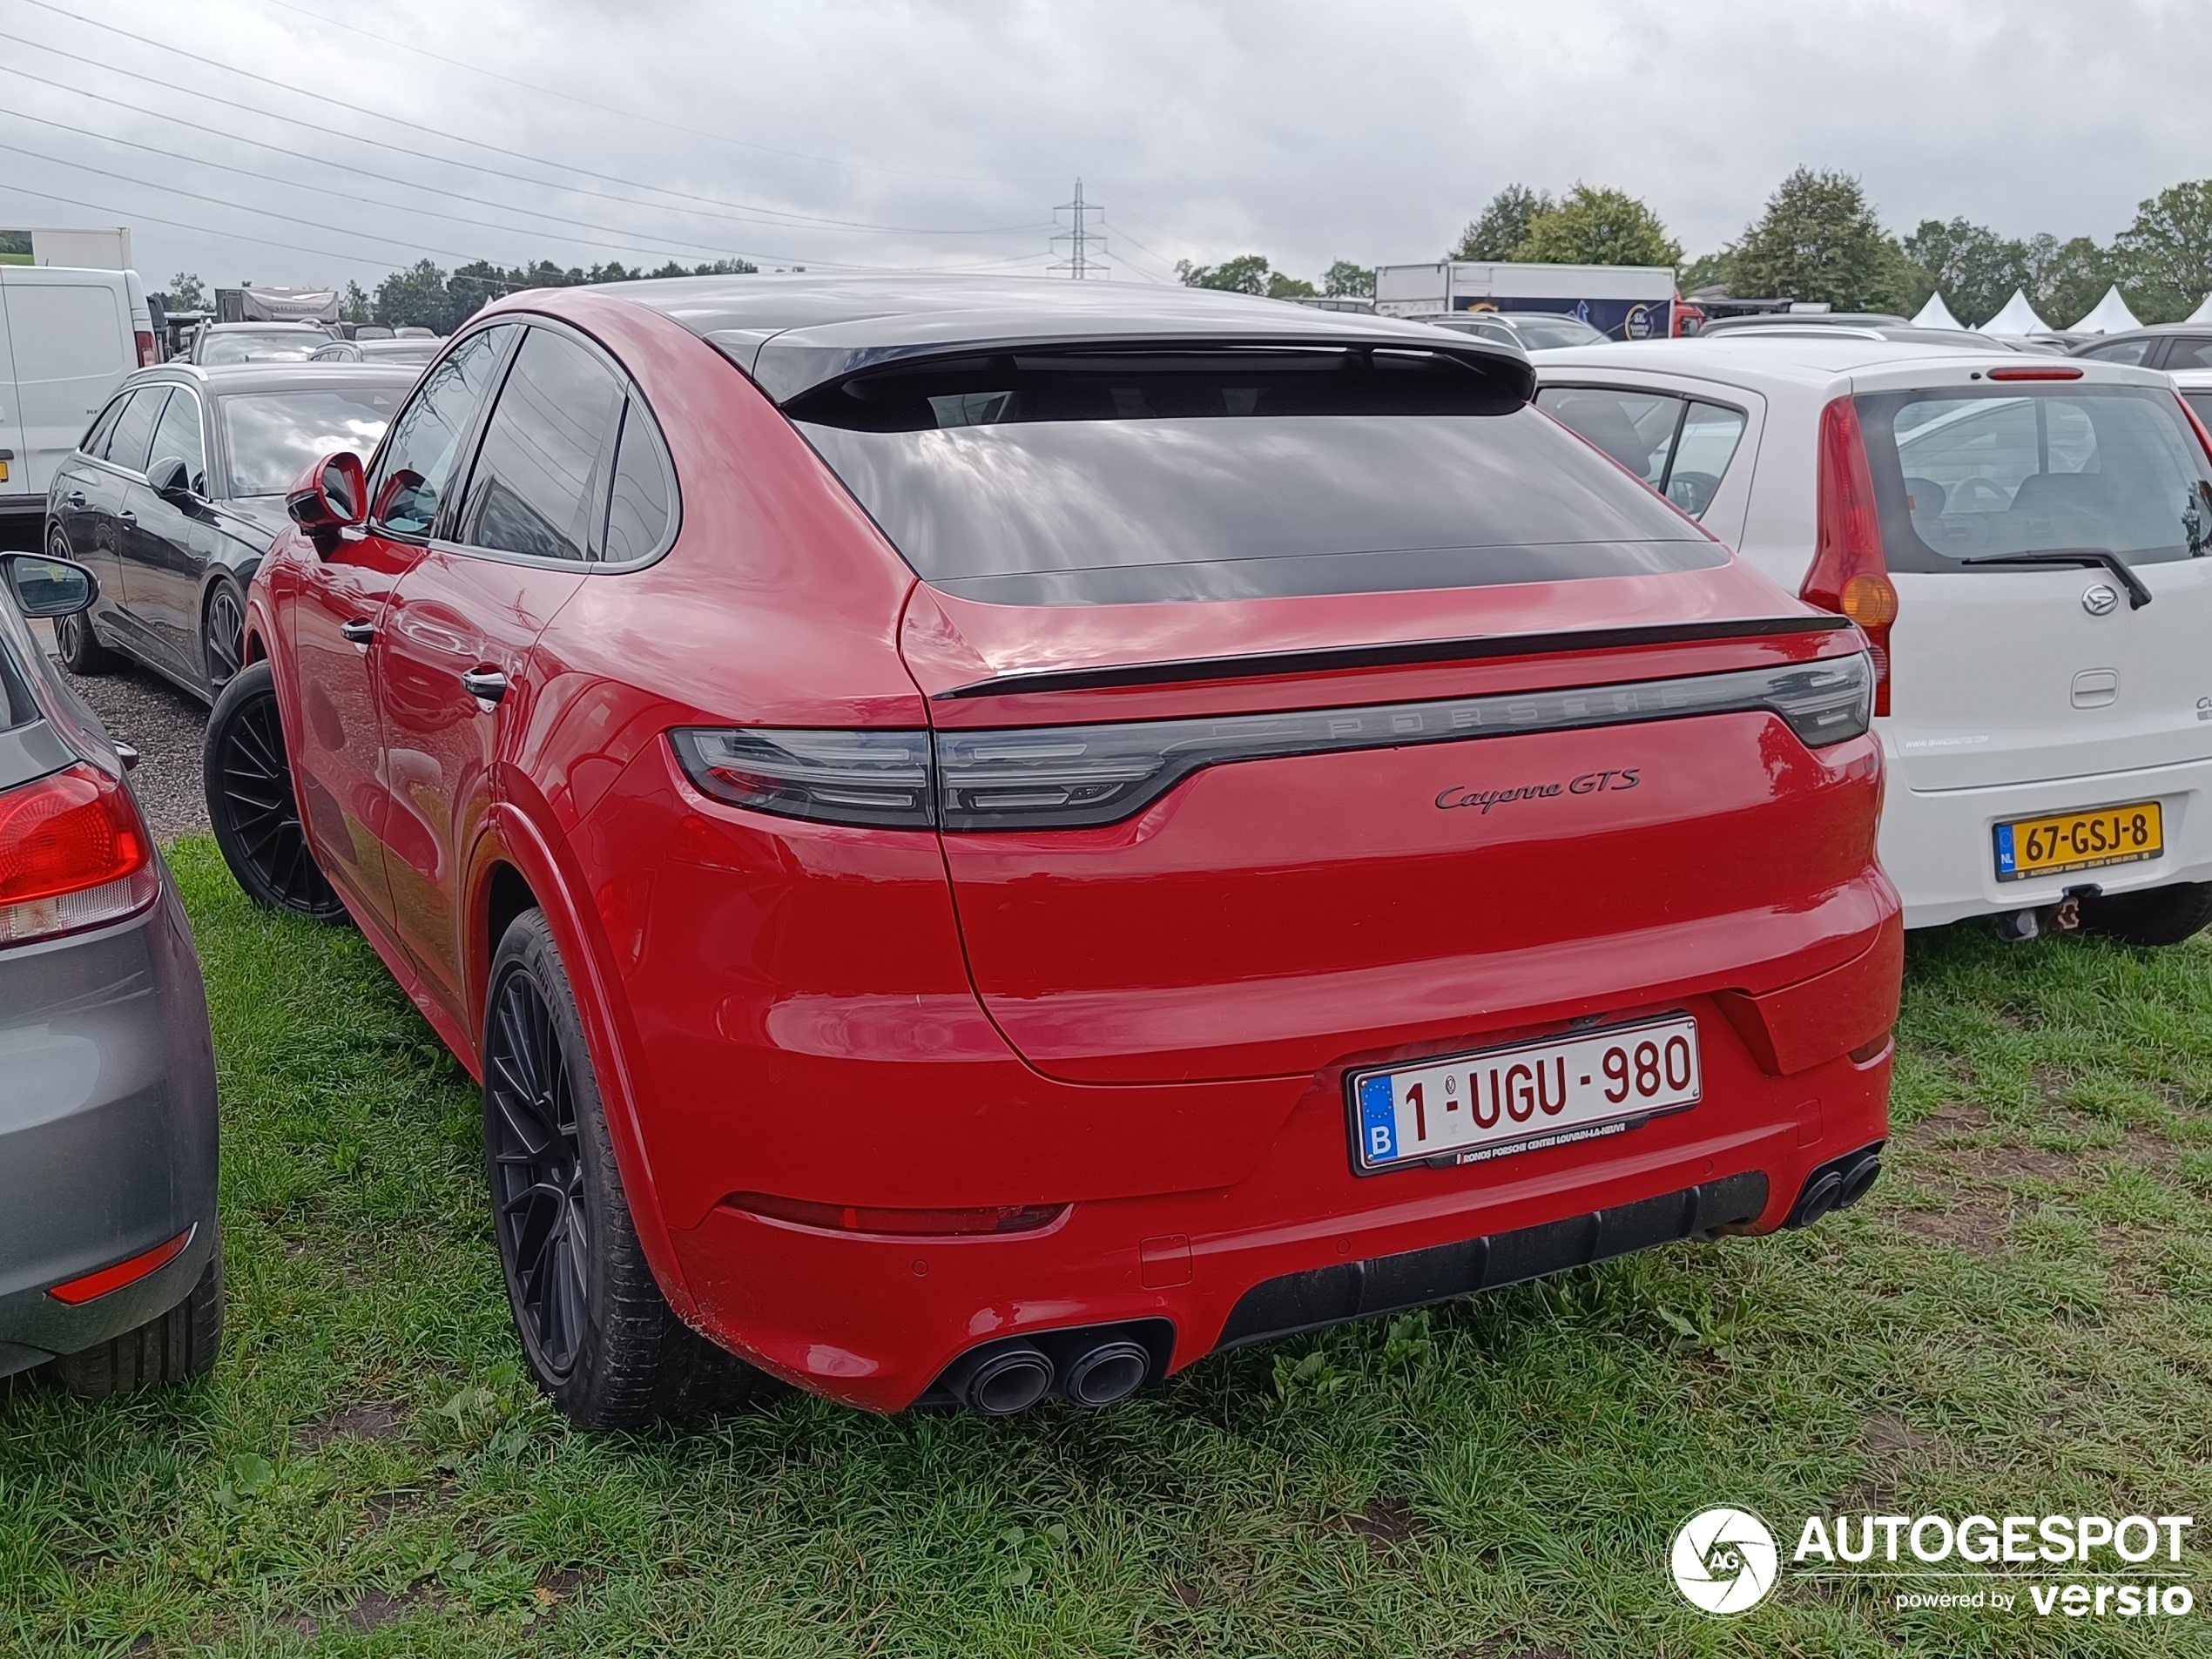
{"points": [[2025, 542]]}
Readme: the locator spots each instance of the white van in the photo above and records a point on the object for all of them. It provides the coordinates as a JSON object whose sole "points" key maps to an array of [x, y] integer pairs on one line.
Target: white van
{"points": [[2026, 542], [67, 339]]}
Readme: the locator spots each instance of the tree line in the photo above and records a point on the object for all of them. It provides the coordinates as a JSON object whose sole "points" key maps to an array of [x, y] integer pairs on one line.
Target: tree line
{"points": [[422, 296], [1817, 238]]}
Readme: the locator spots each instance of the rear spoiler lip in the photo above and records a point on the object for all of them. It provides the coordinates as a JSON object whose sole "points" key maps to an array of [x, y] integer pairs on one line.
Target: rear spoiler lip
{"points": [[1185, 669]]}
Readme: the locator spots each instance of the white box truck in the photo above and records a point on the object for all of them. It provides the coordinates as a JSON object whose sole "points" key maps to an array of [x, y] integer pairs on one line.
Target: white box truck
{"points": [[67, 339], [105, 247], [1626, 301]]}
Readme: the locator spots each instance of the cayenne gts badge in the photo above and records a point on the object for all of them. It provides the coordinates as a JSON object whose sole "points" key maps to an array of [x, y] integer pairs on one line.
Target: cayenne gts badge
{"points": [[1590, 783]]}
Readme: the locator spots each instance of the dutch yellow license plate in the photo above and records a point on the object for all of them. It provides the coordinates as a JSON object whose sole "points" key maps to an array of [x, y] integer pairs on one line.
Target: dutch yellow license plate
{"points": [[2034, 846]]}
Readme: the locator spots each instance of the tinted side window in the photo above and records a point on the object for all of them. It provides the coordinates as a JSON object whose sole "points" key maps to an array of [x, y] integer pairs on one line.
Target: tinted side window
{"points": [[133, 434], [540, 484], [2201, 402], [419, 460], [2123, 351], [643, 499], [96, 435], [2188, 354], [177, 434]]}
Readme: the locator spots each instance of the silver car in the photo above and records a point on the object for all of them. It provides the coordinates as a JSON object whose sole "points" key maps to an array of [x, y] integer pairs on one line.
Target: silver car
{"points": [[110, 1264]]}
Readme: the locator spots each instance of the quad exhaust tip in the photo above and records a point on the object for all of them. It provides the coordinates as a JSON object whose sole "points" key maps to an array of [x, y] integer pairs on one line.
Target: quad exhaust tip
{"points": [[1091, 1367]]}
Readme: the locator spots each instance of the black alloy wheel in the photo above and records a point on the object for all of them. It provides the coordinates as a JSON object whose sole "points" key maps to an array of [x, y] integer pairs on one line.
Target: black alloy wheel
{"points": [[222, 635], [247, 775], [601, 1339], [78, 647], [537, 1173]]}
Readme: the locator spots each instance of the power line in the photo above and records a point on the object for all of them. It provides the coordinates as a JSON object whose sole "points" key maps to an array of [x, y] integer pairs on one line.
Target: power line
{"points": [[786, 219], [180, 225], [633, 115], [633, 246]]}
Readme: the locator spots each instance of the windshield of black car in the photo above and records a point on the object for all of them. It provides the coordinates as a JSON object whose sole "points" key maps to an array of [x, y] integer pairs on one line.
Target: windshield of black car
{"points": [[2046, 467], [1161, 477], [262, 345], [274, 436]]}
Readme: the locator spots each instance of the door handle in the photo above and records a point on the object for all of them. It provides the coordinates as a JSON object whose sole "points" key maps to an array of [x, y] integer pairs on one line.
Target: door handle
{"points": [[488, 684], [75, 498], [126, 517], [357, 633]]}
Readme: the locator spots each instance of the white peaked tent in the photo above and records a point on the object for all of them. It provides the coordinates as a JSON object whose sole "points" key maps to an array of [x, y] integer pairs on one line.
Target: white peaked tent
{"points": [[1936, 315], [2017, 318], [2203, 314], [2111, 316]]}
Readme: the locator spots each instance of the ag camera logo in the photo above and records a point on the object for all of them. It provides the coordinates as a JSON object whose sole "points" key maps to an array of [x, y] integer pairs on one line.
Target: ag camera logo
{"points": [[1724, 1560]]}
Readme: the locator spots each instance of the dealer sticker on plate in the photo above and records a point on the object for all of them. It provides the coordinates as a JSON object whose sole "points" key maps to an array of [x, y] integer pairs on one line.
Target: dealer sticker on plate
{"points": [[1519, 1099]]}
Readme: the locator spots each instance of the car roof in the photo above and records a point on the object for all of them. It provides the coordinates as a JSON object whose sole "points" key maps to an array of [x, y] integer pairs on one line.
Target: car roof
{"points": [[224, 378], [1805, 359], [266, 327], [2196, 380], [792, 333]]}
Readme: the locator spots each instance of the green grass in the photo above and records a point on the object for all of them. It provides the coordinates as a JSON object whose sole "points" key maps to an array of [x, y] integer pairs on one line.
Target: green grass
{"points": [[2018, 1320]]}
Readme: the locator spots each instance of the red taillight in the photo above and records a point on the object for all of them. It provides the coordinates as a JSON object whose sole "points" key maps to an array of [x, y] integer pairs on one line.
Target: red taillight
{"points": [[73, 854], [2195, 425], [857, 1218], [147, 356], [2048, 373], [1849, 573], [76, 1291]]}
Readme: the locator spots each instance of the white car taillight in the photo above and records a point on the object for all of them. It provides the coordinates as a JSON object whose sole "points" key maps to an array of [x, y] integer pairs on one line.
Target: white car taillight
{"points": [[73, 854], [1849, 572]]}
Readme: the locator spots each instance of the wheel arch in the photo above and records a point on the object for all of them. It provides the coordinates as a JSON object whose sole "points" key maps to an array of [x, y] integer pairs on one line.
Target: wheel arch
{"points": [[515, 868]]}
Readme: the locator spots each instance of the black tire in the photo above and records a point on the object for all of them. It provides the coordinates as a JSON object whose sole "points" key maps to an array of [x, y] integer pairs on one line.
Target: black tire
{"points": [[171, 1348], [247, 775], [222, 634], [2154, 916], [78, 647], [600, 1338]]}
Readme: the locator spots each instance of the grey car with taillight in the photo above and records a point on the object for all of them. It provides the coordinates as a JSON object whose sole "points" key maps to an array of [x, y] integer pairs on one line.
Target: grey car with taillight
{"points": [[111, 1262]]}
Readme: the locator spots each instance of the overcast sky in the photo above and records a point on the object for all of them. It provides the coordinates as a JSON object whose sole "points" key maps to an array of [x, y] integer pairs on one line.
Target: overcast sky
{"points": [[652, 128]]}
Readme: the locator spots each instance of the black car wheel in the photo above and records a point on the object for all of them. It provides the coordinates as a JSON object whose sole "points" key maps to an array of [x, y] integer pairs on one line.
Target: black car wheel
{"points": [[250, 804], [79, 647], [222, 634], [601, 1339]]}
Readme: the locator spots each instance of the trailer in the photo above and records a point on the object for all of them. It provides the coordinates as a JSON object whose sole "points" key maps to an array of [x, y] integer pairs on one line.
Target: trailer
{"points": [[1626, 301]]}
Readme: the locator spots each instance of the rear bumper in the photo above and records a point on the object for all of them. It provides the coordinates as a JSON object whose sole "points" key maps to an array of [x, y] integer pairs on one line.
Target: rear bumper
{"points": [[107, 1128], [874, 1320], [1937, 844]]}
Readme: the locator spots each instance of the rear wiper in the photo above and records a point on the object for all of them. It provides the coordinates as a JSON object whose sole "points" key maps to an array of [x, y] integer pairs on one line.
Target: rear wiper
{"points": [[2085, 558]]}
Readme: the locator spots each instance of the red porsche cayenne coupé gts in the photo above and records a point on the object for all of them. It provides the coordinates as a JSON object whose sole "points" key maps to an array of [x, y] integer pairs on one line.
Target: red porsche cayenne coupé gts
{"points": [[996, 838]]}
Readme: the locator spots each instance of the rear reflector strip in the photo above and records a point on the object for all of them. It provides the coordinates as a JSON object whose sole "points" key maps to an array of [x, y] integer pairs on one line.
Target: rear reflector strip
{"points": [[78, 1291], [983, 1221]]}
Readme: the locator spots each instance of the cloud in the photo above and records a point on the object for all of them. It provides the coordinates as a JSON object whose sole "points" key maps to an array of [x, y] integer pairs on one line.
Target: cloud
{"points": [[1305, 131]]}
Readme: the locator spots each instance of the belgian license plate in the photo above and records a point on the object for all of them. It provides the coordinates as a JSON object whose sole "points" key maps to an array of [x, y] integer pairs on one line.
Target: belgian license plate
{"points": [[2052, 845], [1472, 1107]]}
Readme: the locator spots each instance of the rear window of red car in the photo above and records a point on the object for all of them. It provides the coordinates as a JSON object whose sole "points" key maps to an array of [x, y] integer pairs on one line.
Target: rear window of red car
{"points": [[1041, 478]]}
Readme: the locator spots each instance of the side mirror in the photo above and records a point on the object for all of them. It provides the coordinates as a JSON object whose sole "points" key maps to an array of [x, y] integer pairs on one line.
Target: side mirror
{"points": [[48, 587], [171, 481], [330, 497]]}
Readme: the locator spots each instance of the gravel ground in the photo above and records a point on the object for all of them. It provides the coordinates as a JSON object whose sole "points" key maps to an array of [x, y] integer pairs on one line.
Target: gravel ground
{"points": [[165, 725]]}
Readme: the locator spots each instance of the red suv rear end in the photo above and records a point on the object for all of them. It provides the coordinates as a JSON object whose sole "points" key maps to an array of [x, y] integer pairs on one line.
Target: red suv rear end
{"points": [[1115, 827]]}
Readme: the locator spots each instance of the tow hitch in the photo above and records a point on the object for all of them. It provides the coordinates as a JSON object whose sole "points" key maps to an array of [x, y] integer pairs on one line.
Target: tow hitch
{"points": [[2017, 927]]}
